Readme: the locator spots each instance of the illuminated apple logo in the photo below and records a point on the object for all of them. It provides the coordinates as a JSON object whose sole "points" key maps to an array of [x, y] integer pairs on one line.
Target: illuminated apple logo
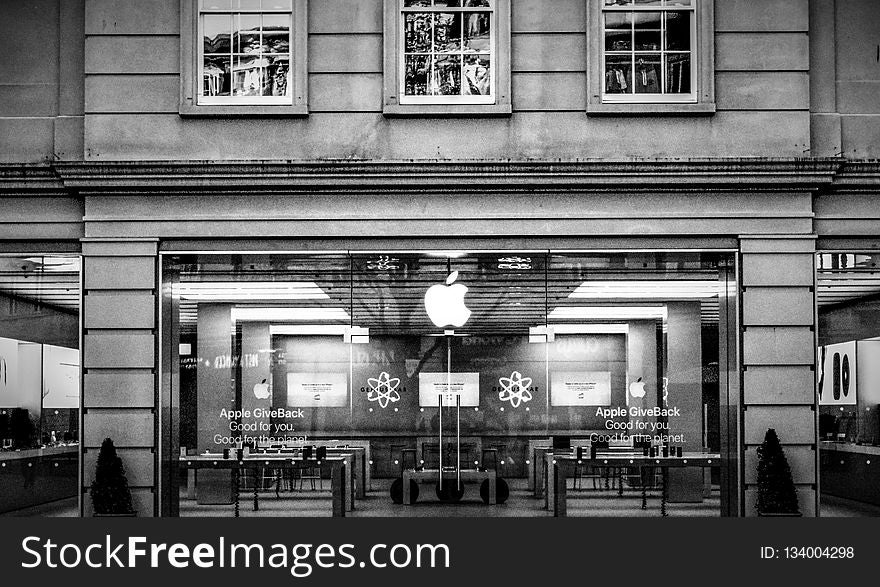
{"points": [[445, 303], [261, 390], [637, 389]]}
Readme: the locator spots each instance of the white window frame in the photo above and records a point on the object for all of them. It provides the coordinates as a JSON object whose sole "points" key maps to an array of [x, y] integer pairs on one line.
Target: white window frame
{"points": [[657, 97], [245, 100], [447, 99], [193, 102], [699, 102]]}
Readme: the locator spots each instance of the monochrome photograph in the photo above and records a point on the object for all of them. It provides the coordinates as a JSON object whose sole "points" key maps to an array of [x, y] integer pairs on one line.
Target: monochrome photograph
{"points": [[440, 259]]}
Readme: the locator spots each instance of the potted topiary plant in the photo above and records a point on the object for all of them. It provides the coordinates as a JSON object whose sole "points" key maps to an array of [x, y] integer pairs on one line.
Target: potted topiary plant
{"points": [[111, 496], [777, 495]]}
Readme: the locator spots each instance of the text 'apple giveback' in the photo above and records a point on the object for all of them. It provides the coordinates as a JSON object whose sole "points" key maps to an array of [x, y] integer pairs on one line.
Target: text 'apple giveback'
{"points": [[636, 412], [261, 413]]}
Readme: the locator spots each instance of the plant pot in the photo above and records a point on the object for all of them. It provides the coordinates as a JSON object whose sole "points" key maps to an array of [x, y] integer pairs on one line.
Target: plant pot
{"points": [[131, 515], [771, 515]]}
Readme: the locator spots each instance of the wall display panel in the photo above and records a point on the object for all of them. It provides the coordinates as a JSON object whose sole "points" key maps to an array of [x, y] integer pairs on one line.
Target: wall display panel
{"points": [[449, 389], [35, 376], [10, 393], [838, 374], [317, 390], [580, 388], [60, 377]]}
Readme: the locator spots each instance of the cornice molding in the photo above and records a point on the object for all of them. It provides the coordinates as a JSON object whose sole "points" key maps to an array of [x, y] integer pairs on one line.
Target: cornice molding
{"points": [[420, 176], [819, 175], [25, 179], [858, 177]]}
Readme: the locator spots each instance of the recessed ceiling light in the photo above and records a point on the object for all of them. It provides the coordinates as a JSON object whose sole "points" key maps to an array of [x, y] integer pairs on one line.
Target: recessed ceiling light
{"points": [[217, 291], [445, 254], [590, 328], [666, 289], [288, 314], [608, 313], [308, 329]]}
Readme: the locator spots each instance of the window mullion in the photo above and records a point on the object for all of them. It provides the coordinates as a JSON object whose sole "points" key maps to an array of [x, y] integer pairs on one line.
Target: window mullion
{"points": [[461, 55], [232, 55], [431, 70], [663, 86], [632, 53]]}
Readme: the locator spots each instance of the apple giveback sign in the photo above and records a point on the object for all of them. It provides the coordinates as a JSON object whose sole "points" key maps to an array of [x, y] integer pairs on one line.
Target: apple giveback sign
{"points": [[255, 426], [639, 427]]}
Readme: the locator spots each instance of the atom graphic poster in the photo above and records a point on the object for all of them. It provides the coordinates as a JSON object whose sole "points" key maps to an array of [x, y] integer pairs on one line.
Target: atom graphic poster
{"points": [[383, 389], [515, 389]]}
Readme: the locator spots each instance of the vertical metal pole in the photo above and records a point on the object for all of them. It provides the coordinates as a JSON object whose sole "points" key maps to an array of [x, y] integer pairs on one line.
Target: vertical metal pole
{"points": [[350, 344], [440, 472], [547, 261], [458, 441]]}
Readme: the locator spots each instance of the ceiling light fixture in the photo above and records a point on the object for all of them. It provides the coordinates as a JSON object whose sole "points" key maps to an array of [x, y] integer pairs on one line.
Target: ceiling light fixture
{"points": [[307, 329], [667, 289], [590, 328], [608, 313], [217, 291], [447, 254], [262, 314]]}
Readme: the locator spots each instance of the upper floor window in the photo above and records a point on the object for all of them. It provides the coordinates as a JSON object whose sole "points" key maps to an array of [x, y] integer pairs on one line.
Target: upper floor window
{"points": [[245, 53], [648, 48], [652, 52], [451, 53], [448, 48]]}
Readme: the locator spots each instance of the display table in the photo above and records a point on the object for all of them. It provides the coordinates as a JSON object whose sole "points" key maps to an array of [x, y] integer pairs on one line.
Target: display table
{"points": [[534, 458], [365, 459], [539, 452], [38, 453], [850, 471], [472, 448], [40, 475], [341, 481], [359, 472], [559, 468], [433, 475]]}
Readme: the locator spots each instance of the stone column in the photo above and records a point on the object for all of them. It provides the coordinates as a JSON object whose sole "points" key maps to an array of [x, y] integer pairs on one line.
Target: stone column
{"points": [[119, 362], [779, 354]]}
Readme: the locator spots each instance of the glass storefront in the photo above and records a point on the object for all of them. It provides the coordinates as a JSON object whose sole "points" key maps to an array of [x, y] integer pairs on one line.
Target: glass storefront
{"points": [[39, 383], [447, 369], [848, 381]]}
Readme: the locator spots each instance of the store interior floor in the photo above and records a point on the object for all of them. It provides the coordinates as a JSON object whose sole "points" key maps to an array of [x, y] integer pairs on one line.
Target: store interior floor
{"points": [[520, 504]]}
